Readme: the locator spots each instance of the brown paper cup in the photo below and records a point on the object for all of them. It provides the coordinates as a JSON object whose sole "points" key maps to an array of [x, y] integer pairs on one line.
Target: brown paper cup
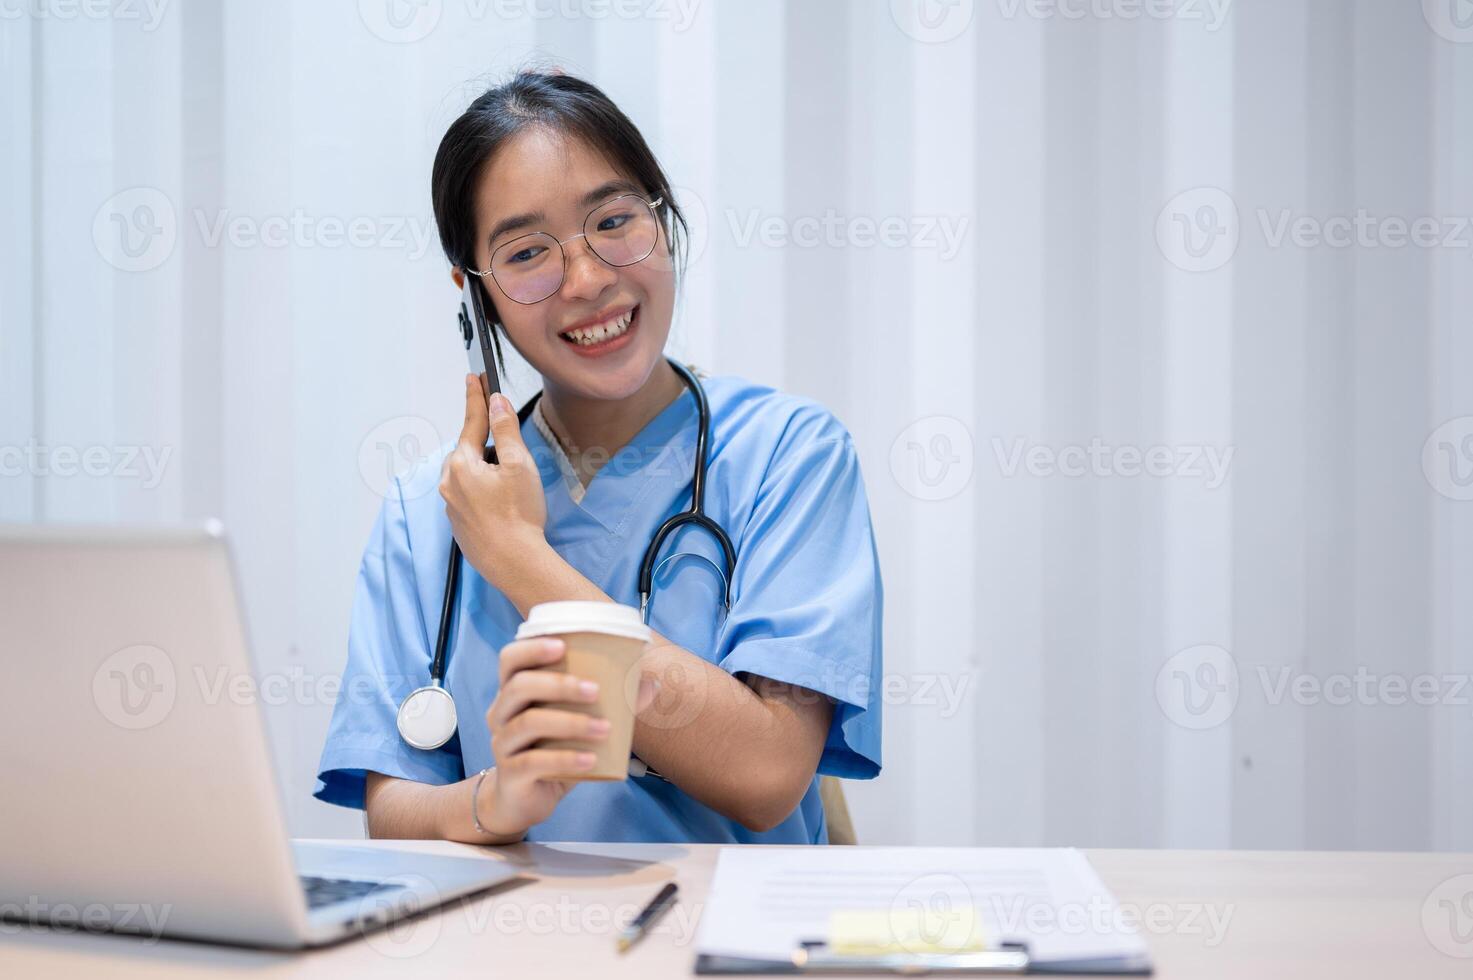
{"points": [[601, 646]]}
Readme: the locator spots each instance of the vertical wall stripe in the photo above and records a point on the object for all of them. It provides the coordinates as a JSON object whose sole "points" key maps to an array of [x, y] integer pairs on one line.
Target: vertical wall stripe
{"points": [[1198, 372], [940, 635], [1009, 694], [875, 348], [1330, 445], [202, 444], [20, 290], [1072, 393], [1451, 355], [1270, 412], [77, 330], [752, 85], [816, 249], [1391, 335], [146, 371], [688, 148]]}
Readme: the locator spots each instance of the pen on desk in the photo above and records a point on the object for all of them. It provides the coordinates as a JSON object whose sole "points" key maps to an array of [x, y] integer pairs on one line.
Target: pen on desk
{"points": [[632, 933]]}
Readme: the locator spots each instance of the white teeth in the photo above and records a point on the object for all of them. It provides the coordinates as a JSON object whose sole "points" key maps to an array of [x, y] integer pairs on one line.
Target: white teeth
{"points": [[584, 336]]}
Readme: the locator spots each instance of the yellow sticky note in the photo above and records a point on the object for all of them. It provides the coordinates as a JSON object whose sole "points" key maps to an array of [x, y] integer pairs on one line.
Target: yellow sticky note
{"points": [[912, 929]]}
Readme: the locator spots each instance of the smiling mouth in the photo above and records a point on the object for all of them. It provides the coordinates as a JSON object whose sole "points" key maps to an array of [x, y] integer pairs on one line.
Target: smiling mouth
{"points": [[599, 335]]}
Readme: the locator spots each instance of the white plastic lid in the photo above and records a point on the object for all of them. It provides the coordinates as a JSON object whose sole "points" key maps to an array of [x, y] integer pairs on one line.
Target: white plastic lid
{"points": [[573, 616]]}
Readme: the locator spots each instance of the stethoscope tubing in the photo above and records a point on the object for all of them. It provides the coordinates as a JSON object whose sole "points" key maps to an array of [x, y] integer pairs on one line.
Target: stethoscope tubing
{"points": [[695, 515]]}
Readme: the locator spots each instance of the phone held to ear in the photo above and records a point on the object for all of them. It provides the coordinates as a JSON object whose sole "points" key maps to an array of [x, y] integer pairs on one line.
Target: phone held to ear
{"points": [[475, 333]]}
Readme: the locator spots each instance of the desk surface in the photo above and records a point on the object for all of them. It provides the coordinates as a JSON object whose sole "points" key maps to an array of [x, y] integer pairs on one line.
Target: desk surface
{"points": [[1287, 914]]}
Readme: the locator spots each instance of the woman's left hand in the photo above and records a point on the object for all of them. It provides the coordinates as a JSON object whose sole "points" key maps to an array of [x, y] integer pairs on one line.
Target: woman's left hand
{"points": [[497, 511]]}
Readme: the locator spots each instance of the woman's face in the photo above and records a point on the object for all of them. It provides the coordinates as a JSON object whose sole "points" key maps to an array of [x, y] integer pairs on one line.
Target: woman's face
{"points": [[548, 175]]}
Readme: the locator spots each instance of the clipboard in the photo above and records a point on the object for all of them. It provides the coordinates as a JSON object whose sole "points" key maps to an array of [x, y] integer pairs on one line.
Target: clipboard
{"points": [[765, 907], [814, 957]]}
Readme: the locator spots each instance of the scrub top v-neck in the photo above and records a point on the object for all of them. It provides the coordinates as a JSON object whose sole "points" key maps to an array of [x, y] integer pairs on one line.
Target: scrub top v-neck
{"points": [[783, 479]]}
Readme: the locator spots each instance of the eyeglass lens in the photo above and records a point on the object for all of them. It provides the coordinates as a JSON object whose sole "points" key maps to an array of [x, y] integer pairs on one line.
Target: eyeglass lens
{"points": [[530, 268]]}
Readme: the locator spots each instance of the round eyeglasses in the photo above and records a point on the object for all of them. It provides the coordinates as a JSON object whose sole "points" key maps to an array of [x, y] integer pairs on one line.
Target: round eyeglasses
{"points": [[531, 268]]}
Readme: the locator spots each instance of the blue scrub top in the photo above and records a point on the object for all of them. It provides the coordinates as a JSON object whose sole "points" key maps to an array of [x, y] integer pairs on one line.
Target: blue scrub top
{"points": [[783, 480]]}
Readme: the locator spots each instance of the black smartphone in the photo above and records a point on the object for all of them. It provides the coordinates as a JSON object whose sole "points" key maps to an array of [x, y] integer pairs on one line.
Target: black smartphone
{"points": [[475, 333]]}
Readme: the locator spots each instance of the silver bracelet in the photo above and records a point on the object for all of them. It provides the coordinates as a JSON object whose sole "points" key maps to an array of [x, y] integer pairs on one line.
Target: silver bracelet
{"points": [[476, 795]]}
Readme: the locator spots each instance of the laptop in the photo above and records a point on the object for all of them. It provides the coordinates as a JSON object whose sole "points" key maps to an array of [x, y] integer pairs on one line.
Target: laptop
{"points": [[139, 791]]}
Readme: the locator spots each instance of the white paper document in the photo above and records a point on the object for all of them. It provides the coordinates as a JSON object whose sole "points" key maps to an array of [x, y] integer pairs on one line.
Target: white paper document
{"points": [[764, 902]]}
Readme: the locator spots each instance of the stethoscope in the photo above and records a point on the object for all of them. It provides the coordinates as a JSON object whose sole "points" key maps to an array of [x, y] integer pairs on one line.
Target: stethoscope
{"points": [[427, 717]]}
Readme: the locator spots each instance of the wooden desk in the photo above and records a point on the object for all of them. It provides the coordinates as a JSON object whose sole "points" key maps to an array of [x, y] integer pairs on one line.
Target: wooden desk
{"points": [[1289, 914]]}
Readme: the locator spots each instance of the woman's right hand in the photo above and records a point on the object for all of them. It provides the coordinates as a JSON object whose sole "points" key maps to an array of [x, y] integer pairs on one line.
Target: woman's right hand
{"points": [[522, 791]]}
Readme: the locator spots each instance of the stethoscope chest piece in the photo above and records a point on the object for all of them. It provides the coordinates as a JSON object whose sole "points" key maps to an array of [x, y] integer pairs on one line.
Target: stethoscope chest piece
{"points": [[427, 717]]}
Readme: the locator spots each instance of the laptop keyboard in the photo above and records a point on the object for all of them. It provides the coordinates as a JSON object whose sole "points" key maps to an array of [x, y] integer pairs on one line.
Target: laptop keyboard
{"points": [[327, 891]]}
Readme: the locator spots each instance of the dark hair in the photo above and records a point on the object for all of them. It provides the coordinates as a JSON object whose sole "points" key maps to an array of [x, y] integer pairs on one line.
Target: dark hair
{"points": [[556, 101]]}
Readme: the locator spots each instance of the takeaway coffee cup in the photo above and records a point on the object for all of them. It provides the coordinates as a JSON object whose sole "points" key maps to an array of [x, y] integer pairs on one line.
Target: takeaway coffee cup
{"points": [[603, 643]]}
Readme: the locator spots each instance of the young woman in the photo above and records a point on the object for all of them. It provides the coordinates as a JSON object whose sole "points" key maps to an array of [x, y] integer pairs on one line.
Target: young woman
{"points": [[548, 195]]}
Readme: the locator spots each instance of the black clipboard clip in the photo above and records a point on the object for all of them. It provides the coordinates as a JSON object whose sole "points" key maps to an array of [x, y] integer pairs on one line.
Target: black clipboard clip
{"points": [[813, 956]]}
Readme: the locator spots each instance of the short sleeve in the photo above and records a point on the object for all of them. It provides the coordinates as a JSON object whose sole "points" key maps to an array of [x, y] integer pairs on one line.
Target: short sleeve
{"points": [[388, 656], [807, 596]]}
